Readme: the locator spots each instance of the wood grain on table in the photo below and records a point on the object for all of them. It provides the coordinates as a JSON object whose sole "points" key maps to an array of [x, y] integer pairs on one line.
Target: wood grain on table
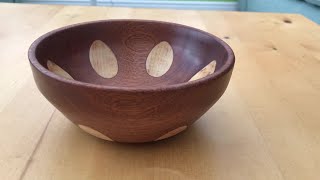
{"points": [[266, 125]]}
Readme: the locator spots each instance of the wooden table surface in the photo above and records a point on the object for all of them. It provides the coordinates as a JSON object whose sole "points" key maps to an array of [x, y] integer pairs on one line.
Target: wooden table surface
{"points": [[265, 126]]}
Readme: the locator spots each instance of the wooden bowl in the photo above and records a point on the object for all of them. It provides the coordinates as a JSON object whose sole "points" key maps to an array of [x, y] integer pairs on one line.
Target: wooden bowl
{"points": [[131, 80]]}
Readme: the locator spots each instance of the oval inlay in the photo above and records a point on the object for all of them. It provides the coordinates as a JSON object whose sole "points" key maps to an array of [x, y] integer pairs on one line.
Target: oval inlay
{"points": [[159, 59], [57, 70], [103, 60], [209, 69], [94, 132], [172, 133]]}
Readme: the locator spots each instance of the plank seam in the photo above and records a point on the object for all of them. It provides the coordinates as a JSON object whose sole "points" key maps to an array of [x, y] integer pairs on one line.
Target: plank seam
{"points": [[266, 149], [26, 167]]}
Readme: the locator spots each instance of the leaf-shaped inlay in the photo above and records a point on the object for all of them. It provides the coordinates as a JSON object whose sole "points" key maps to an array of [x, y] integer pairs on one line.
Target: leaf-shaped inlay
{"points": [[159, 59], [172, 133], [57, 70], [209, 69], [94, 132], [103, 60]]}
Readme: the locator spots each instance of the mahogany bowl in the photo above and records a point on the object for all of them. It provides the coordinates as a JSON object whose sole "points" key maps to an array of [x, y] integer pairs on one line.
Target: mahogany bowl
{"points": [[131, 80]]}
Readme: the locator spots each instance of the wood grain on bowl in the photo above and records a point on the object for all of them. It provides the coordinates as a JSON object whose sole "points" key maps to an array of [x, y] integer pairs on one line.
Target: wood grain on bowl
{"points": [[94, 132], [209, 69], [57, 70], [103, 60], [132, 76], [159, 59]]}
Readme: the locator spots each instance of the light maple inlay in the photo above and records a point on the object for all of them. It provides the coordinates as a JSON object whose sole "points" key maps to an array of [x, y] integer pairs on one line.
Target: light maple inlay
{"points": [[94, 133], [172, 133], [159, 59], [209, 69], [57, 70], [103, 60]]}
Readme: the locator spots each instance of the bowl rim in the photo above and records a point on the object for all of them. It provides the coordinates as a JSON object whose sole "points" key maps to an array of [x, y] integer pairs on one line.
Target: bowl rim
{"points": [[227, 66]]}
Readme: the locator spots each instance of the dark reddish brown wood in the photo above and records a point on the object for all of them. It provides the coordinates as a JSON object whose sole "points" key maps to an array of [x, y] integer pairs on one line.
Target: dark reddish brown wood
{"points": [[132, 106]]}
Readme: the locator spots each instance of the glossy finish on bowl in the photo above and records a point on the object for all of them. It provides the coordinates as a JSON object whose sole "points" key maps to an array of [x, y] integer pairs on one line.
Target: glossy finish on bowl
{"points": [[131, 80]]}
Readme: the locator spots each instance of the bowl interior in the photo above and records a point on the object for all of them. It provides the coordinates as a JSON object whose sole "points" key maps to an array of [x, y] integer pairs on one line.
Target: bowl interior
{"points": [[131, 53]]}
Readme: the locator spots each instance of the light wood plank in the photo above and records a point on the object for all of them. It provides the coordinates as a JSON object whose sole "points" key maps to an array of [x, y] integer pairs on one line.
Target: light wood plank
{"points": [[278, 84], [20, 29], [219, 146], [24, 113], [22, 123], [266, 126]]}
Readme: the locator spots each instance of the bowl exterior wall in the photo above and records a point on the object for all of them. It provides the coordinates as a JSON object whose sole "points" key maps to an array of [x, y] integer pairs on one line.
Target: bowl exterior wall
{"points": [[131, 116]]}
